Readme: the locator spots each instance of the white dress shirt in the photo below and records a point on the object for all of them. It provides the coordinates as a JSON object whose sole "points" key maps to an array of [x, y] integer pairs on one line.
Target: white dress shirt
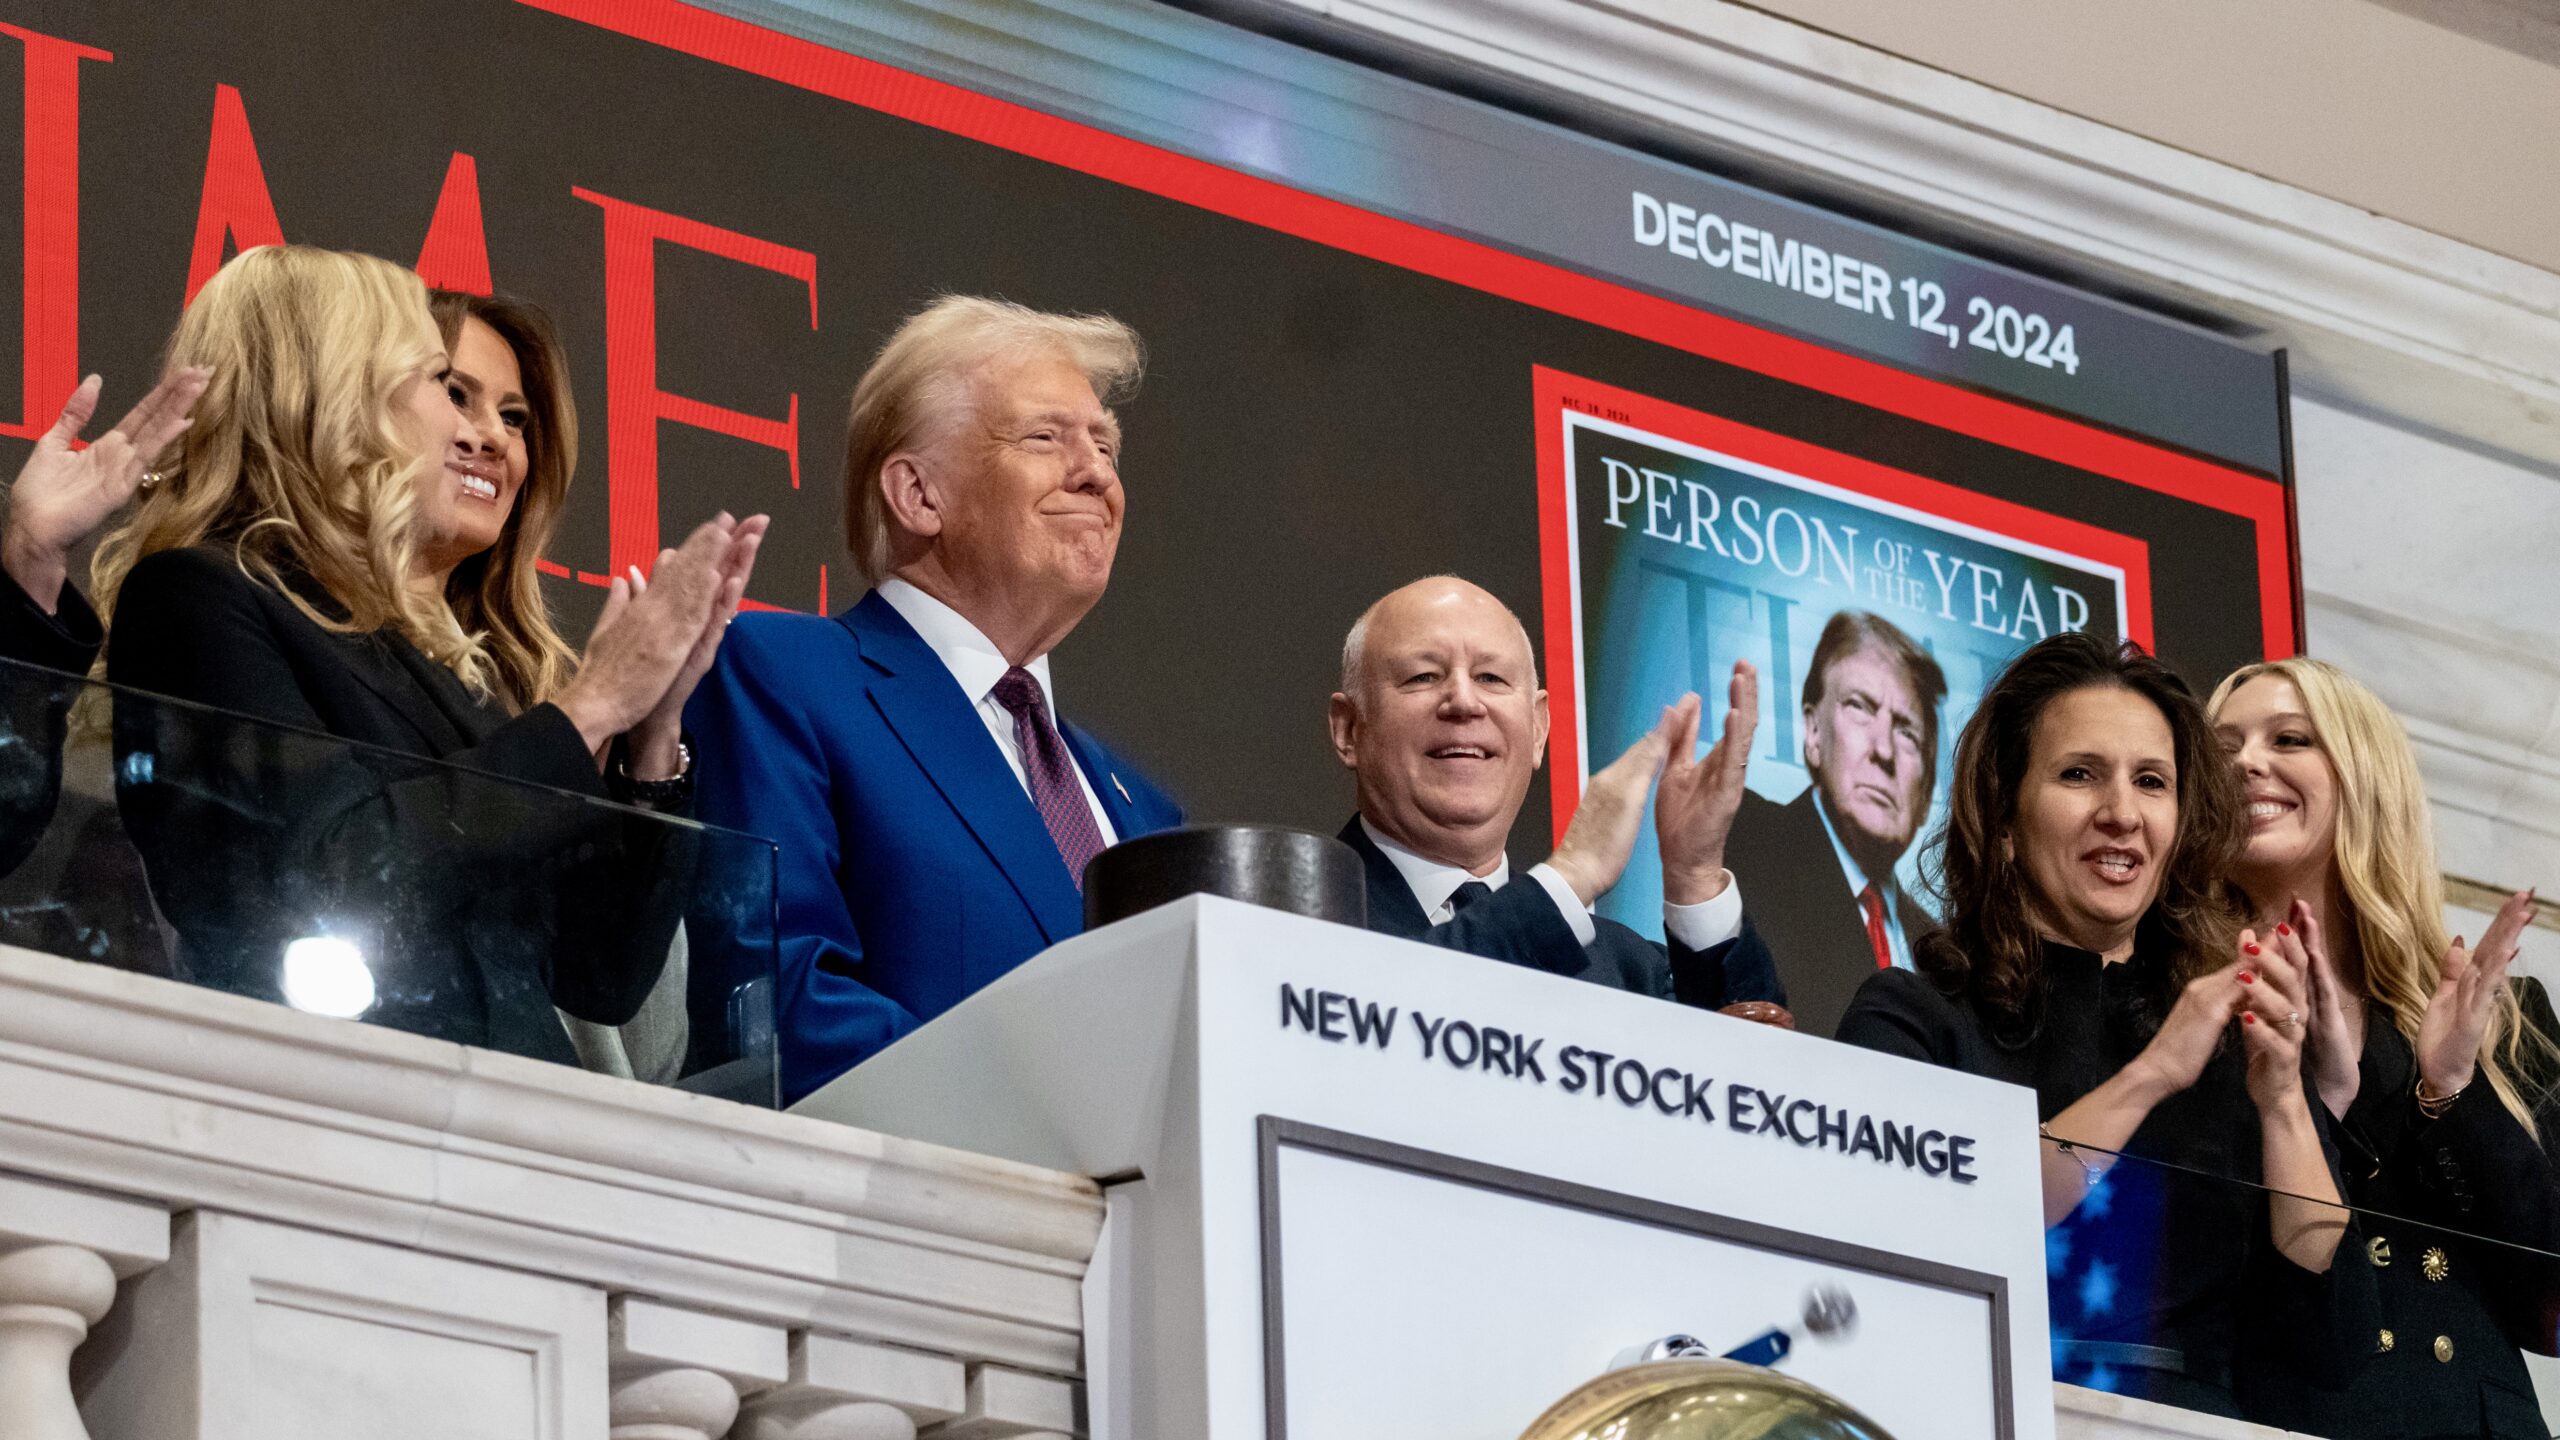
{"points": [[1896, 943], [976, 663], [1700, 927]]}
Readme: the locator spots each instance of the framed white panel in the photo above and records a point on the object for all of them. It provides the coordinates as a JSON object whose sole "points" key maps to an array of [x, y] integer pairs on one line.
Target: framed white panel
{"points": [[256, 1331], [1409, 1292]]}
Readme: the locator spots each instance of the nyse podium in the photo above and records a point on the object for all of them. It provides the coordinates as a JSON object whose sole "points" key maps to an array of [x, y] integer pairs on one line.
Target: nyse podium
{"points": [[1362, 1188]]}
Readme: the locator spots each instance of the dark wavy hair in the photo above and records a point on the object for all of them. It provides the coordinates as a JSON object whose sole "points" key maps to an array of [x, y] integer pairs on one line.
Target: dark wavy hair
{"points": [[1988, 949], [498, 592]]}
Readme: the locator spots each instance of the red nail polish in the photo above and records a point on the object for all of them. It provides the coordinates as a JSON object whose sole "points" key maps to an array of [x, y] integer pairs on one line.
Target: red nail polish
{"points": [[2248, 1017], [2248, 978], [2283, 929], [2249, 949]]}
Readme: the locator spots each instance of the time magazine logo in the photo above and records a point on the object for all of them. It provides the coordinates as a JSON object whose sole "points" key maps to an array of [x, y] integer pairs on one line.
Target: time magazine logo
{"points": [[235, 211]]}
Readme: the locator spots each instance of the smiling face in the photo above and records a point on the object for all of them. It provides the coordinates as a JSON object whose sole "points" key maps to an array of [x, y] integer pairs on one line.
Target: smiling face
{"points": [[2291, 784], [2097, 815], [465, 503], [1863, 743], [1026, 488], [1446, 723]]}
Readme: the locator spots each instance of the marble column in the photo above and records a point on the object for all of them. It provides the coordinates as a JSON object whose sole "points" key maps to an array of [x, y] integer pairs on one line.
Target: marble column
{"points": [[62, 1250], [675, 1404], [49, 1297]]}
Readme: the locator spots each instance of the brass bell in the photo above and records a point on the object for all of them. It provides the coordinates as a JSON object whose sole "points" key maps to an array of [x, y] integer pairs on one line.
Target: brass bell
{"points": [[1699, 1399]]}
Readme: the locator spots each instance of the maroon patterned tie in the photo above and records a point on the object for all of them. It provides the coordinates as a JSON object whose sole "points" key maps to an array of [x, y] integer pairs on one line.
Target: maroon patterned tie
{"points": [[1052, 773]]}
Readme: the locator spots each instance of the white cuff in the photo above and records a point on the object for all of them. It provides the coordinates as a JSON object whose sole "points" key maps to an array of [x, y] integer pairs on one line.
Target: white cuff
{"points": [[1577, 916], [1708, 923]]}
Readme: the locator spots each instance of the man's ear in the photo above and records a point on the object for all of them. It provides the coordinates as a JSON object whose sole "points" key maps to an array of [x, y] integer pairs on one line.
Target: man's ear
{"points": [[1538, 729], [911, 502], [1812, 742], [1342, 722]]}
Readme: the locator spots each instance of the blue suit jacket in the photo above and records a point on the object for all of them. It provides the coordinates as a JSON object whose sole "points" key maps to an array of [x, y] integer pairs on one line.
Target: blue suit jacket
{"points": [[914, 870]]}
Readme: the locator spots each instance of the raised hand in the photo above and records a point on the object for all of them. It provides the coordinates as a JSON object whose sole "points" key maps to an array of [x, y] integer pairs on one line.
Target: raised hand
{"points": [[2466, 994], [643, 642], [2273, 1020], [653, 740], [2328, 1012], [1594, 851], [1693, 809], [2186, 1040], [63, 495]]}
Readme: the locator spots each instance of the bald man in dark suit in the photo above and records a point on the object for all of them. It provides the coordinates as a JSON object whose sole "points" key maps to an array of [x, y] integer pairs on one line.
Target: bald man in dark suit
{"points": [[1441, 719]]}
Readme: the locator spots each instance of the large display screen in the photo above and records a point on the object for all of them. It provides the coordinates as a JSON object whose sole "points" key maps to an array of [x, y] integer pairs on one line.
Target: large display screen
{"points": [[1371, 358]]}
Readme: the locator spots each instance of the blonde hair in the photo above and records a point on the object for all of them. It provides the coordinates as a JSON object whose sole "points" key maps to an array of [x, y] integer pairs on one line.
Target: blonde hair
{"points": [[297, 460], [2385, 854], [921, 376]]}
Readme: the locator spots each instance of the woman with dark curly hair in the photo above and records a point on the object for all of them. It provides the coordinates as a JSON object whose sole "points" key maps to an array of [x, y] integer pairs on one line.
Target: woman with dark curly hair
{"points": [[2091, 951]]}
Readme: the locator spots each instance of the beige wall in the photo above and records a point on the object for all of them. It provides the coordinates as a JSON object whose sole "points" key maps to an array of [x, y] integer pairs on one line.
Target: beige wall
{"points": [[2344, 98]]}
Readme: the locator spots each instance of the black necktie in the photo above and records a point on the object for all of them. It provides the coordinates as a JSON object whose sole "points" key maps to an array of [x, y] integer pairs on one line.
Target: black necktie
{"points": [[1466, 895]]}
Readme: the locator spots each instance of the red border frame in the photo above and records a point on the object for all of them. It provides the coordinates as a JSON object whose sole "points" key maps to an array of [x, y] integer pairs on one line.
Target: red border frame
{"points": [[807, 65], [1558, 392]]}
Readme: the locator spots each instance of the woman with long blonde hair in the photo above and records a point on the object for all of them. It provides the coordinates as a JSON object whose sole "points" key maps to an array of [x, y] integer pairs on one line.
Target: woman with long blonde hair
{"points": [[333, 546], [2435, 1065]]}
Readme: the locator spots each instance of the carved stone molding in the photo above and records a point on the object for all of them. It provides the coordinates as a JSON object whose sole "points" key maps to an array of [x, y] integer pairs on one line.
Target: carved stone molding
{"points": [[1004, 1405], [147, 1088], [845, 1389], [678, 1373]]}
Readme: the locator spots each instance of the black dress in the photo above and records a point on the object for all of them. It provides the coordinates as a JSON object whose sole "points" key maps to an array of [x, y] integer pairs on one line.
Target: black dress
{"points": [[34, 720], [478, 905], [2165, 1283], [65, 640], [2435, 1195]]}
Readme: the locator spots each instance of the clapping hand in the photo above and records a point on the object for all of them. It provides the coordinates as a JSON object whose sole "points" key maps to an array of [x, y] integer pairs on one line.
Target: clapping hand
{"points": [[2195, 1025], [1593, 853], [63, 495], [2335, 1054], [2274, 989], [656, 638], [1694, 807], [653, 740], [2467, 992]]}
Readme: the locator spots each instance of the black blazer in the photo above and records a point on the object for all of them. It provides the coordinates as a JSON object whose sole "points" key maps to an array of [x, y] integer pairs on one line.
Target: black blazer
{"points": [[37, 709], [1519, 924], [2458, 1307], [479, 905], [2171, 1284], [66, 640], [1802, 910]]}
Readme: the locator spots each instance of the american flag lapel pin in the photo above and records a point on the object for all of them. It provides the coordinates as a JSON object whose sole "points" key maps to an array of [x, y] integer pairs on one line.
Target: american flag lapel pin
{"points": [[1123, 789]]}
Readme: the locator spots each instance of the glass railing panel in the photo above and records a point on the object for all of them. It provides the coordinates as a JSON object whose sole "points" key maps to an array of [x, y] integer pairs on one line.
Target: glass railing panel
{"points": [[2433, 1315], [207, 847]]}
